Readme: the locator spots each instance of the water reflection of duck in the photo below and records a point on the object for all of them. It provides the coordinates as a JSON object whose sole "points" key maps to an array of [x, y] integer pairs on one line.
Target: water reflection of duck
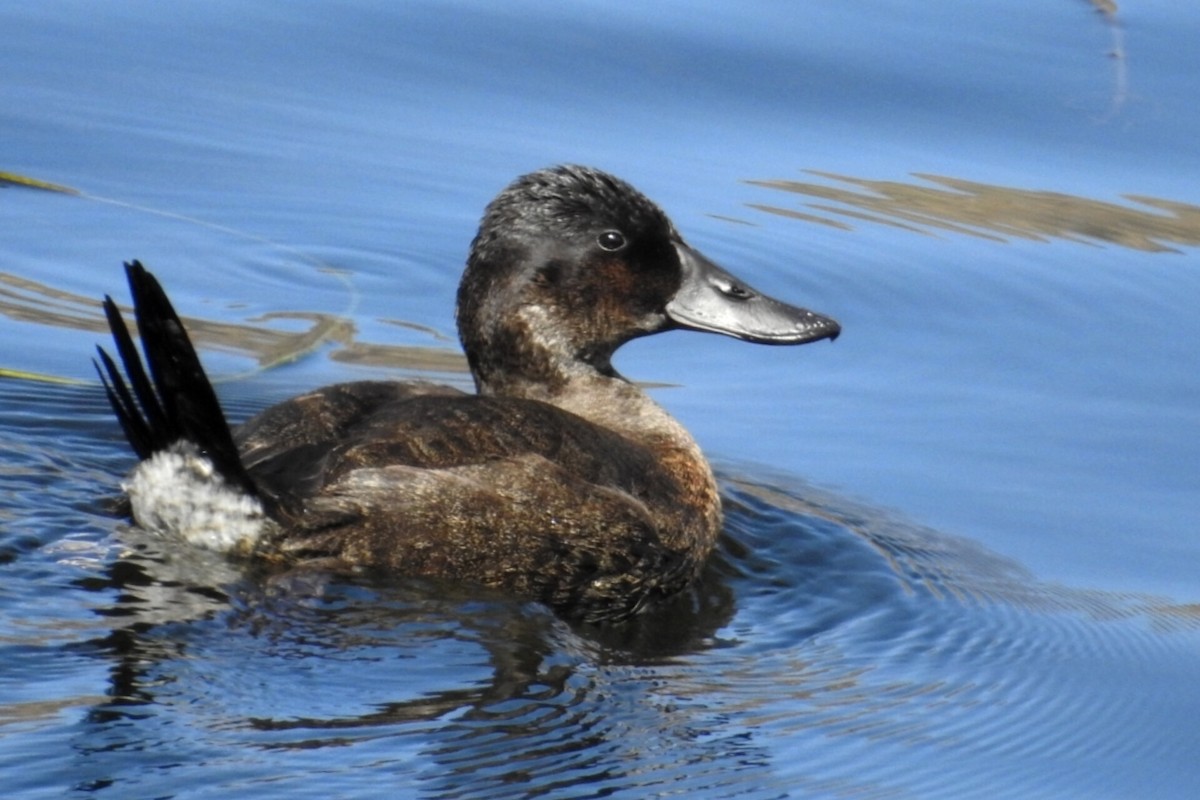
{"points": [[559, 480]]}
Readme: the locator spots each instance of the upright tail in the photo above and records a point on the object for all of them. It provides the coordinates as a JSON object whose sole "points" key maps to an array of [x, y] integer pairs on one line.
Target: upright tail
{"points": [[174, 401]]}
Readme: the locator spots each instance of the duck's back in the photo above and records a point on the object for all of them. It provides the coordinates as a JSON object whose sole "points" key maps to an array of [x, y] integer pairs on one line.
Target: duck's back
{"points": [[519, 494]]}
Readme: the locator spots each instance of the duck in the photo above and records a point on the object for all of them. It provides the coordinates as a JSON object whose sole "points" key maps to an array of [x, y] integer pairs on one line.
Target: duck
{"points": [[557, 481]]}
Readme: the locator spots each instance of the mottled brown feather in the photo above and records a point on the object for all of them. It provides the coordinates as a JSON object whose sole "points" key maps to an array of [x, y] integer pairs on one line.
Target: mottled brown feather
{"points": [[511, 493]]}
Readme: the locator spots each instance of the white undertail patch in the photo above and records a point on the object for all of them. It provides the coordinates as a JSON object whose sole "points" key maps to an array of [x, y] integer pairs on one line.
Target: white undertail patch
{"points": [[177, 491]]}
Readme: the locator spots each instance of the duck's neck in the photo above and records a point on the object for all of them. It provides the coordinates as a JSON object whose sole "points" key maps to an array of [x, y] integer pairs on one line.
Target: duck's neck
{"points": [[531, 356], [608, 400]]}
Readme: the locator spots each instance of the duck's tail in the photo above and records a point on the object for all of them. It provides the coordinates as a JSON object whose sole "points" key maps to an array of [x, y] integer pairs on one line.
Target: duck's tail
{"points": [[167, 406]]}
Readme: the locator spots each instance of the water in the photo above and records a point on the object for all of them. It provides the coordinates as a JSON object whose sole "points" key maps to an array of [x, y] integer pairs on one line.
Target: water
{"points": [[959, 557]]}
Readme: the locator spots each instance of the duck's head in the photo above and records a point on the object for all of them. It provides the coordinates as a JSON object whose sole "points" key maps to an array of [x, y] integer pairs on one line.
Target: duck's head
{"points": [[570, 263]]}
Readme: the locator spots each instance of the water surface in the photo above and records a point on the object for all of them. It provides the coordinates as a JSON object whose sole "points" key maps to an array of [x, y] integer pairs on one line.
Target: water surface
{"points": [[960, 548]]}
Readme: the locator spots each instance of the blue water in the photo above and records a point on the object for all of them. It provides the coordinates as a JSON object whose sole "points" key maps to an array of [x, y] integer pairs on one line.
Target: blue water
{"points": [[960, 549]]}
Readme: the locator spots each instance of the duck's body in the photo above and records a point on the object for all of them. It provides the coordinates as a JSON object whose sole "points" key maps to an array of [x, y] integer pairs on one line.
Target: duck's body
{"points": [[578, 510], [560, 480]]}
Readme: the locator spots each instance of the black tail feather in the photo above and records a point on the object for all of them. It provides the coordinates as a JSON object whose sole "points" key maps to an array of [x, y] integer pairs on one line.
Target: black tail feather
{"points": [[155, 418], [137, 430], [171, 397]]}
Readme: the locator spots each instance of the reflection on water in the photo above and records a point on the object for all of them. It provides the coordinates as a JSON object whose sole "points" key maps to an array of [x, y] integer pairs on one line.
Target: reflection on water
{"points": [[25, 300], [832, 649], [989, 211], [823, 631], [9, 179], [822, 628], [950, 204], [829, 649]]}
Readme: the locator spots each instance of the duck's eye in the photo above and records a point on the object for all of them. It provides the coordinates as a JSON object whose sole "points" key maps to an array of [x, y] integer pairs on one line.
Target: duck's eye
{"points": [[611, 241]]}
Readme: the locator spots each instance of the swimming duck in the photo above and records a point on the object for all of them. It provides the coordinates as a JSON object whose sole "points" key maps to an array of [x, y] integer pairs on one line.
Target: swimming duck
{"points": [[558, 480]]}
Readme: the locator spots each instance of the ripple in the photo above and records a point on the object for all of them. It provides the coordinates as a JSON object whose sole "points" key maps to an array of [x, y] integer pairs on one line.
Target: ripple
{"points": [[830, 649], [960, 658]]}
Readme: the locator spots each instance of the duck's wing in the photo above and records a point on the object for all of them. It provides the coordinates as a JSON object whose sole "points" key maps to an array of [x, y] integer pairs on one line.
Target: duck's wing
{"points": [[523, 524], [287, 449], [510, 493], [299, 449]]}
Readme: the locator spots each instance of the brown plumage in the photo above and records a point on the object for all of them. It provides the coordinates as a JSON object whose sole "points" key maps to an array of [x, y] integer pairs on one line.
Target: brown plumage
{"points": [[558, 481]]}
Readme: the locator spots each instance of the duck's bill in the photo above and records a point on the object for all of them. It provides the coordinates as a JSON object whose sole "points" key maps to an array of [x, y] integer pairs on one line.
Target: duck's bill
{"points": [[710, 299]]}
